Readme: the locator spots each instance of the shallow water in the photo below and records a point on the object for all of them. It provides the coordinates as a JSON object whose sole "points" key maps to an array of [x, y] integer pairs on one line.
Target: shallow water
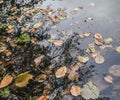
{"points": [[106, 20]]}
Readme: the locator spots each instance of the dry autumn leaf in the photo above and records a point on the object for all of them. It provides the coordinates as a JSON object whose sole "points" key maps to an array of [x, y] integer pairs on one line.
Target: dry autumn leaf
{"points": [[75, 66], [99, 59], [108, 79], [61, 72], [38, 60], [75, 90], [2, 47], [55, 19], [82, 59], [43, 98], [73, 76], [6, 81], [23, 79], [41, 78], [37, 25], [98, 36], [7, 53]]}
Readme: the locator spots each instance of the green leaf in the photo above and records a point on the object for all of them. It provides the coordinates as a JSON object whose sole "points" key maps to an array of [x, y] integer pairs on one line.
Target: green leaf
{"points": [[23, 38], [5, 93], [90, 91], [23, 79]]}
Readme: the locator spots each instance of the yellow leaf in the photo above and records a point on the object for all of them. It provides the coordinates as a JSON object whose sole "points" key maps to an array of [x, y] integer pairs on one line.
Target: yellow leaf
{"points": [[82, 59], [61, 72], [23, 79], [6, 81]]}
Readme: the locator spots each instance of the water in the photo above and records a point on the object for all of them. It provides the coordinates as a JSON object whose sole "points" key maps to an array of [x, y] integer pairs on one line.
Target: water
{"points": [[106, 20]]}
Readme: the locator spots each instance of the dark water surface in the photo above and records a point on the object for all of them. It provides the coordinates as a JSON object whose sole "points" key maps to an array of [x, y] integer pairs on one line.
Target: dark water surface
{"points": [[106, 20]]}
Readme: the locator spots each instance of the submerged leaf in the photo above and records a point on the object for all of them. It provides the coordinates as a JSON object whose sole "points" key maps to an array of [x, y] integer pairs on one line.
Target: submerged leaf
{"points": [[58, 42], [75, 90], [6, 81], [73, 76], [90, 91], [61, 72], [108, 79], [23, 79], [99, 59], [108, 40], [115, 70], [118, 49], [82, 59]]}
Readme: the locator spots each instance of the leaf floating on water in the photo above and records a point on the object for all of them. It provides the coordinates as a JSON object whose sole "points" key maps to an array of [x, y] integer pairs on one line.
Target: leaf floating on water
{"points": [[73, 76], [23, 79], [99, 59], [58, 42], [98, 39], [38, 60], [98, 36], [37, 25], [6, 81], [75, 66], [82, 59], [86, 34], [115, 70], [108, 79], [90, 91], [108, 40], [75, 90], [118, 49], [61, 72], [95, 54]]}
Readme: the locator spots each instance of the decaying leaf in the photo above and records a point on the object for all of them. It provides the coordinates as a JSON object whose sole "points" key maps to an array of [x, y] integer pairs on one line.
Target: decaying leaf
{"points": [[98, 39], [99, 59], [86, 34], [82, 59], [43, 98], [58, 42], [90, 91], [118, 49], [95, 54], [7, 52], [75, 90], [75, 66], [108, 79], [38, 60], [23, 79], [37, 25], [3, 47], [115, 70], [98, 36], [61, 72], [55, 19], [41, 78], [73, 76], [10, 28], [6, 81]]}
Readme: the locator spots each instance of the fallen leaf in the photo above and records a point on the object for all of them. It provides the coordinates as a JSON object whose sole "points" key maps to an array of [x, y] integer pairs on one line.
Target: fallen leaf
{"points": [[7, 53], [115, 70], [86, 34], [108, 79], [82, 59], [58, 42], [98, 42], [6, 81], [108, 40], [43, 98], [82, 36], [23, 79], [99, 59], [98, 36], [90, 91], [10, 28], [55, 19], [95, 54], [41, 78], [61, 72], [118, 49], [38, 60], [37, 25], [3, 47], [75, 90], [75, 66], [73, 76]]}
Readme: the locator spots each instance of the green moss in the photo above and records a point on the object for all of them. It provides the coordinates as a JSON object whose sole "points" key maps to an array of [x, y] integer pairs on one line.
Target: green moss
{"points": [[5, 93], [4, 25]]}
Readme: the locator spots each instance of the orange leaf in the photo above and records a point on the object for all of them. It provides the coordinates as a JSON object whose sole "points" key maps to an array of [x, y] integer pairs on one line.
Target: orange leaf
{"points": [[75, 90], [6, 81], [42, 98]]}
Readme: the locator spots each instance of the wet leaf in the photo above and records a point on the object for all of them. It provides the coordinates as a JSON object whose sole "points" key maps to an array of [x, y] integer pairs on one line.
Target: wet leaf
{"points": [[118, 49], [90, 91], [6, 81], [75, 66], [115, 70], [3, 47], [95, 54], [7, 53], [75, 90], [23, 79], [82, 59], [108, 79], [58, 42], [99, 42], [55, 19], [61, 72], [37, 25], [86, 34], [108, 40], [73, 76], [41, 78], [38, 60], [99, 59], [43, 98], [23, 38], [98, 36]]}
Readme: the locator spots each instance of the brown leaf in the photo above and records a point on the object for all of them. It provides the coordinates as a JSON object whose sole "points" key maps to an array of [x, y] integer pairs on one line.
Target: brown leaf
{"points": [[6, 81], [108, 79], [58, 42], [98, 36], [73, 76], [75, 66], [86, 34], [3, 47], [7, 53], [41, 78], [99, 42], [75, 90], [38, 60], [95, 54], [43, 98], [37, 25], [82, 59], [61, 72], [55, 19]]}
